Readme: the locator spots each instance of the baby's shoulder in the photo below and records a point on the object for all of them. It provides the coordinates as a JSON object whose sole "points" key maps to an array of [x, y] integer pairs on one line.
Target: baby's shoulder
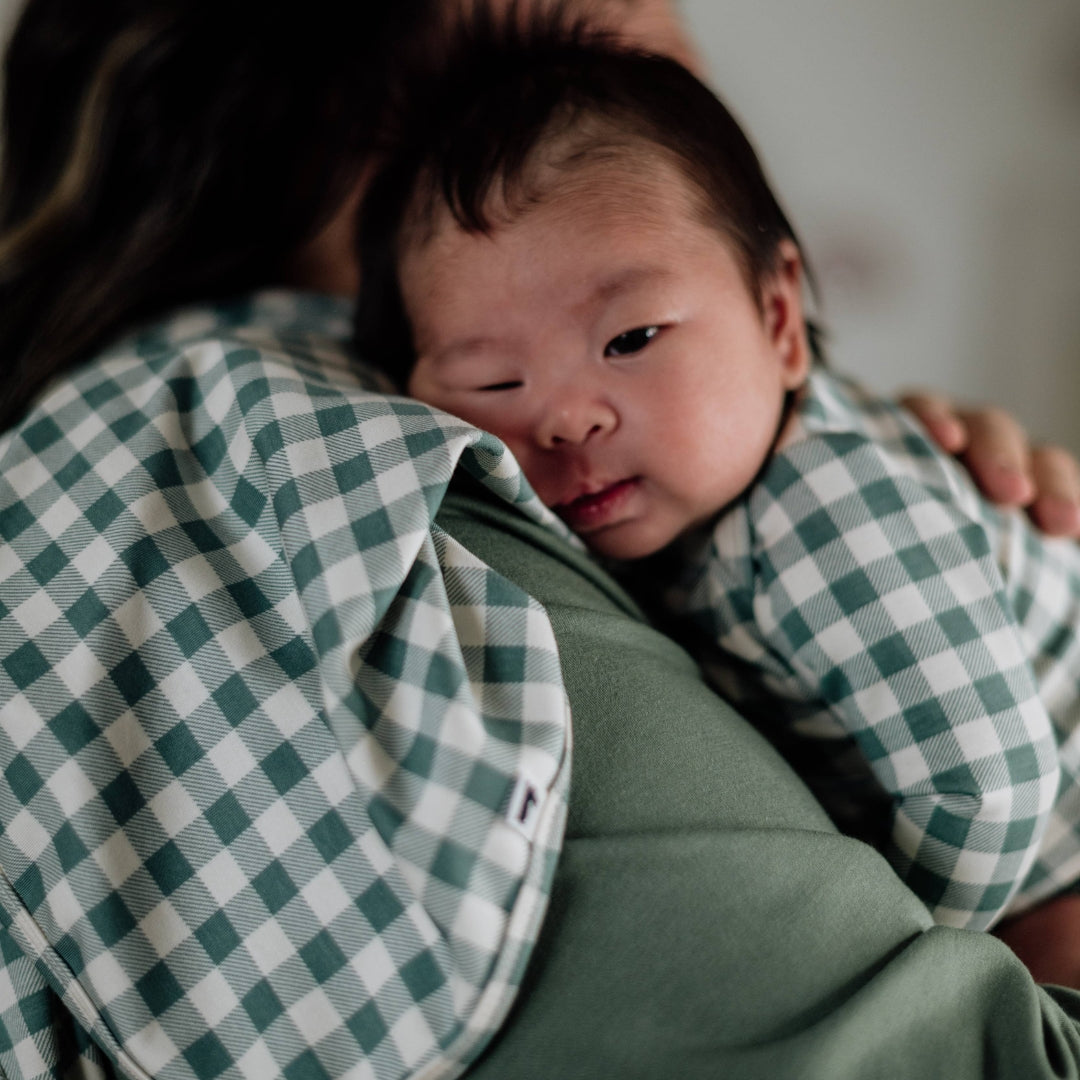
{"points": [[835, 417], [847, 446]]}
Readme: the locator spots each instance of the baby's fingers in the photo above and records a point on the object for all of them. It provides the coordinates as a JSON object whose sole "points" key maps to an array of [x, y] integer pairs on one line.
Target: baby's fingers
{"points": [[1008, 470], [940, 418], [998, 455], [1056, 509]]}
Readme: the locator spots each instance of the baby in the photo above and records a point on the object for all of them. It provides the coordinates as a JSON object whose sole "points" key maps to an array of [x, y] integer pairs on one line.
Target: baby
{"points": [[577, 250]]}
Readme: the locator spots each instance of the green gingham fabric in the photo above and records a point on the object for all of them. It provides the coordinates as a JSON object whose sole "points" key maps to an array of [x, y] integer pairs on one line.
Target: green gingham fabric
{"points": [[925, 645], [282, 767]]}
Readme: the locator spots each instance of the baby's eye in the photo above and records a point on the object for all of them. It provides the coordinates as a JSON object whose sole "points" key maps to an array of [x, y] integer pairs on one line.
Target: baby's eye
{"points": [[631, 342], [511, 385]]}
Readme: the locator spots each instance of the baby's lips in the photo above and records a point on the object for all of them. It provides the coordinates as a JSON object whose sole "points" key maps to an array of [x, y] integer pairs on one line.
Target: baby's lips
{"points": [[593, 508], [583, 490]]}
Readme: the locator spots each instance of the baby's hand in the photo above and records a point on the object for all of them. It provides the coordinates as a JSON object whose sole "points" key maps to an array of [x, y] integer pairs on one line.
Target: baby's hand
{"points": [[1047, 939], [1007, 468]]}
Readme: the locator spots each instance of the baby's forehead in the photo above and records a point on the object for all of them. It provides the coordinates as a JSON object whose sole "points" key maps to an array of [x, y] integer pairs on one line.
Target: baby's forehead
{"points": [[638, 184], [587, 235]]}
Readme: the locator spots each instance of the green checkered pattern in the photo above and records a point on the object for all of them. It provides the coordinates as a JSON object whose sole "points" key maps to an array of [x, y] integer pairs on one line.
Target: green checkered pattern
{"points": [[264, 727], [924, 644]]}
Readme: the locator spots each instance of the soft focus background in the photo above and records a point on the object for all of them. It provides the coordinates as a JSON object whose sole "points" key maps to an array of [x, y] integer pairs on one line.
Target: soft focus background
{"points": [[929, 154]]}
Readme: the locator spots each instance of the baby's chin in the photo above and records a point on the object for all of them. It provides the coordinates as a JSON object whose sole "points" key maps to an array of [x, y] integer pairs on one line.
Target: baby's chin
{"points": [[623, 543]]}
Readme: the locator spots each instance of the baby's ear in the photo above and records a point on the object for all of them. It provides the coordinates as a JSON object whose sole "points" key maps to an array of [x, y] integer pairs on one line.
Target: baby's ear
{"points": [[785, 320]]}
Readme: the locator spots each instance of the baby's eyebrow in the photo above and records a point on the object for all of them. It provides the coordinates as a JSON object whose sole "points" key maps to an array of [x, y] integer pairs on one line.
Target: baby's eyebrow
{"points": [[628, 279], [624, 280], [464, 348]]}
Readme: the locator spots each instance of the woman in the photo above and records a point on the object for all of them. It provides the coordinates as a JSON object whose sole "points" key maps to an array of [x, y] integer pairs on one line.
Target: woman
{"points": [[283, 758]]}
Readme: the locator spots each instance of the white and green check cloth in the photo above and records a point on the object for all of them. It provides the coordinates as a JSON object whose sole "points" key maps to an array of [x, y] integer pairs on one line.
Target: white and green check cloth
{"points": [[925, 645], [282, 766]]}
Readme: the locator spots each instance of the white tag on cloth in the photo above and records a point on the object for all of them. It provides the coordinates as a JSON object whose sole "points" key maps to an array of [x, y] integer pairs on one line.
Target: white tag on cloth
{"points": [[526, 799]]}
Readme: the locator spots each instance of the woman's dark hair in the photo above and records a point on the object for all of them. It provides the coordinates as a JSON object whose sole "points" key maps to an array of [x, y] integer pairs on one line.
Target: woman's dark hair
{"points": [[469, 142], [157, 152]]}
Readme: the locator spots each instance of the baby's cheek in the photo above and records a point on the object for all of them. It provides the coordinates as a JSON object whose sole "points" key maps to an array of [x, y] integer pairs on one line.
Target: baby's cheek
{"points": [[542, 476]]}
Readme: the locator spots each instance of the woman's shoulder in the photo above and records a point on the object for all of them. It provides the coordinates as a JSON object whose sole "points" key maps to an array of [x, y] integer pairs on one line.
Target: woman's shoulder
{"points": [[191, 361], [199, 378], [231, 403], [279, 333]]}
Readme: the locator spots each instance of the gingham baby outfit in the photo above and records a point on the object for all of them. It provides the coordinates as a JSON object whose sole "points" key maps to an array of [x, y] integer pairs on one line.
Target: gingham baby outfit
{"points": [[923, 643]]}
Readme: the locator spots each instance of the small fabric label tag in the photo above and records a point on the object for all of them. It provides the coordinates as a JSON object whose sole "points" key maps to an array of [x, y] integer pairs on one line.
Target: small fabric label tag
{"points": [[523, 813]]}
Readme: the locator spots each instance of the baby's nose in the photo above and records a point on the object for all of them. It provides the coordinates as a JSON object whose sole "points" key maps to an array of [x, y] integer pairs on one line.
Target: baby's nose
{"points": [[572, 423]]}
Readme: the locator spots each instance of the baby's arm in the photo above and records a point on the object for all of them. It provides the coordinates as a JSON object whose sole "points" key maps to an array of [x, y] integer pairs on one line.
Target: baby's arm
{"points": [[884, 599]]}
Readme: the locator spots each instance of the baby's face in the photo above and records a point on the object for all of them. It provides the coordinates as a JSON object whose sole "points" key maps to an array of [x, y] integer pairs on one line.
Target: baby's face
{"points": [[610, 340]]}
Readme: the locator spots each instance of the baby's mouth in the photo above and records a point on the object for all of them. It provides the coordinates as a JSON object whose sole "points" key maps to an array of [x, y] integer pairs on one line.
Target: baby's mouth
{"points": [[597, 509]]}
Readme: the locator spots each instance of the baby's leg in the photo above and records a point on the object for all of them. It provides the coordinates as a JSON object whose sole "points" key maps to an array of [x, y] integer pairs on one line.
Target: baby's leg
{"points": [[1047, 939]]}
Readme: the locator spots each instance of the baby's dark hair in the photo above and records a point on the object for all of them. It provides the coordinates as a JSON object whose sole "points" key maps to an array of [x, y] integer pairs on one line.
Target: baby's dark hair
{"points": [[473, 141]]}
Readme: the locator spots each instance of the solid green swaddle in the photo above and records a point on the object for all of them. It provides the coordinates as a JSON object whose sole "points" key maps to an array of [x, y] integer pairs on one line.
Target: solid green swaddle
{"points": [[706, 919]]}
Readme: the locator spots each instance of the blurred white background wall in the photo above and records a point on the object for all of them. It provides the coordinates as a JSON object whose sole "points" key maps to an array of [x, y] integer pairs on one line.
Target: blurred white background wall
{"points": [[929, 155]]}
